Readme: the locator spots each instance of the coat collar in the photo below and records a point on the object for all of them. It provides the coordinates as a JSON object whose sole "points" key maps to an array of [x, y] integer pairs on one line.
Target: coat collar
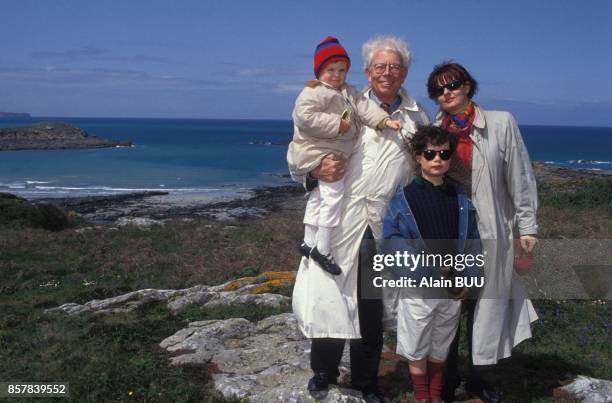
{"points": [[479, 120], [408, 103], [314, 83]]}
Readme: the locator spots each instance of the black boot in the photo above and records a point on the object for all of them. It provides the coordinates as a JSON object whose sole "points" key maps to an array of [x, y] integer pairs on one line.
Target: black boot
{"points": [[320, 382], [326, 262], [303, 249], [484, 391]]}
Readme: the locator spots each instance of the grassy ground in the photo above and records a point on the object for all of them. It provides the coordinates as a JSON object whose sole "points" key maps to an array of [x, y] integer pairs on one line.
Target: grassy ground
{"points": [[116, 357]]}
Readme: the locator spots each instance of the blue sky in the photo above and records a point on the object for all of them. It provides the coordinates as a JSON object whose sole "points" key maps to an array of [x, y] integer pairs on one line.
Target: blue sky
{"points": [[548, 62]]}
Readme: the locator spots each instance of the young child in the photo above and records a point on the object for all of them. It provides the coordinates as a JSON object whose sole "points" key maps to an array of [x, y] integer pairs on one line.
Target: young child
{"points": [[327, 118], [432, 214]]}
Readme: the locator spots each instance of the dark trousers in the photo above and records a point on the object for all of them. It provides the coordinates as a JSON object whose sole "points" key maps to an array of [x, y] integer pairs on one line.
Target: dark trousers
{"points": [[478, 375], [452, 378], [326, 353]]}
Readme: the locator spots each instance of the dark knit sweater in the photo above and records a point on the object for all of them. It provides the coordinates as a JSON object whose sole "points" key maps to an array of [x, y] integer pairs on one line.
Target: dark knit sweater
{"points": [[436, 212]]}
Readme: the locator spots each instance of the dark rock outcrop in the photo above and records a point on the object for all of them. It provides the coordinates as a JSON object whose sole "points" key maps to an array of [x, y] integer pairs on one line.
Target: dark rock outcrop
{"points": [[52, 136], [18, 212]]}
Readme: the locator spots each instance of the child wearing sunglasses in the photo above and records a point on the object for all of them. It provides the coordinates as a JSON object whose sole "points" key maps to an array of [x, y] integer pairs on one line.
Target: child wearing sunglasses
{"points": [[327, 118], [433, 214]]}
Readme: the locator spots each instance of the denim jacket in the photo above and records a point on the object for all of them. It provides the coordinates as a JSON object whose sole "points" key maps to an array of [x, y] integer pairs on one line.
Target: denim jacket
{"points": [[401, 233]]}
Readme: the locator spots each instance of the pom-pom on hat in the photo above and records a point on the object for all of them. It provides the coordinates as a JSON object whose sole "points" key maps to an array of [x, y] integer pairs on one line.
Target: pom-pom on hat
{"points": [[329, 51]]}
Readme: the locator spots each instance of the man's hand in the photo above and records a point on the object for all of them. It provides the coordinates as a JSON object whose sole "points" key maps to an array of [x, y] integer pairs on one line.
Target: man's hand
{"points": [[393, 124], [528, 242], [345, 125], [331, 168]]}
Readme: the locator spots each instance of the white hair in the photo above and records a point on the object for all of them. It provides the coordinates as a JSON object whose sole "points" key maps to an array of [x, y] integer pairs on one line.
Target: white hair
{"points": [[388, 43]]}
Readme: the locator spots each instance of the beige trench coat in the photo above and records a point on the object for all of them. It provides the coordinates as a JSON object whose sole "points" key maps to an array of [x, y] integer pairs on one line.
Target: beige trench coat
{"points": [[316, 117], [504, 193], [326, 305]]}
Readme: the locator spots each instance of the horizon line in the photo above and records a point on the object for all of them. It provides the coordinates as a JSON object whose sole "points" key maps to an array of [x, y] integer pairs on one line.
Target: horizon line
{"points": [[4, 118]]}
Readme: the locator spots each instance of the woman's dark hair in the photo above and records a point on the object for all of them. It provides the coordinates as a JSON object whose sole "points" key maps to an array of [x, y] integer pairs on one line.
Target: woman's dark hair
{"points": [[431, 135], [446, 72]]}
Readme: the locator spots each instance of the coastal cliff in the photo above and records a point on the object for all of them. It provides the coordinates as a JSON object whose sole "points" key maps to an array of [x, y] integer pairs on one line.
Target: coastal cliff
{"points": [[52, 136]]}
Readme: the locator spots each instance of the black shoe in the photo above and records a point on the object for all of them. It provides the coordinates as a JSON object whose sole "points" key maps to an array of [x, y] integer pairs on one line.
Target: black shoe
{"points": [[326, 262], [492, 396], [449, 388], [320, 382], [486, 393], [373, 398], [303, 249]]}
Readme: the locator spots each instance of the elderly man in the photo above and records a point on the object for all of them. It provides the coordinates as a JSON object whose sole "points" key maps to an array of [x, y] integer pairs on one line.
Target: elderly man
{"points": [[329, 308]]}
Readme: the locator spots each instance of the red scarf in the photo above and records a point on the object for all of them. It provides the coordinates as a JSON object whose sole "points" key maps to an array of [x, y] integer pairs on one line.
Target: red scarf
{"points": [[461, 126]]}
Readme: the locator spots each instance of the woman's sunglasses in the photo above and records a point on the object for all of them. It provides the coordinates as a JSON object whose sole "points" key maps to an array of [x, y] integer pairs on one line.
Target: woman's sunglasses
{"points": [[453, 85], [431, 154]]}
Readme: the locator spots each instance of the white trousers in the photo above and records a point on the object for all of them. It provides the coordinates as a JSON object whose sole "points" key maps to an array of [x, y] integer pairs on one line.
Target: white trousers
{"points": [[426, 327], [324, 203]]}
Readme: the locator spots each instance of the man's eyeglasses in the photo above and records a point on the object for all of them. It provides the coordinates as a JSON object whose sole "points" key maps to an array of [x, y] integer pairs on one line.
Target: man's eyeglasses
{"points": [[380, 68], [429, 155], [453, 85]]}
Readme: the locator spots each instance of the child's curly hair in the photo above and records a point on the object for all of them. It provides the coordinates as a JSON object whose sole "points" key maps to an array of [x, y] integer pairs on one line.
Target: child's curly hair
{"points": [[434, 135]]}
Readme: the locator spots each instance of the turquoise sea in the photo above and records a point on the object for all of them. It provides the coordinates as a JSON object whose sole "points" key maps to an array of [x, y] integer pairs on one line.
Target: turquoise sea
{"points": [[217, 156]]}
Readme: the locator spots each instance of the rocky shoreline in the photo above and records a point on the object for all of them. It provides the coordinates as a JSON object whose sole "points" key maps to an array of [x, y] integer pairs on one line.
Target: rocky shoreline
{"points": [[161, 206], [254, 203], [52, 136]]}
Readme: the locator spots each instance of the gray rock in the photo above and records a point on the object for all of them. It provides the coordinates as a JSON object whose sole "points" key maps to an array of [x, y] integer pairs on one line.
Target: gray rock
{"points": [[588, 390], [140, 222], [176, 300], [207, 336], [201, 357], [70, 308], [198, 297], [288, 395], [230, 214], [267, 361], [232, 298]]}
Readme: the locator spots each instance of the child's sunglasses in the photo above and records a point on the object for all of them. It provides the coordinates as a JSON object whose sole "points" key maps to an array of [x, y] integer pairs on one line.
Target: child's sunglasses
{"points": [[431, 154], [453, 85]]}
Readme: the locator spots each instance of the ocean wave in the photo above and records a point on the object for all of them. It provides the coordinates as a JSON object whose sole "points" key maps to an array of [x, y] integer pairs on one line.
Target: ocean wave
{"points": [[594, 162], [125, 190], [13, 185], [37, 192]]}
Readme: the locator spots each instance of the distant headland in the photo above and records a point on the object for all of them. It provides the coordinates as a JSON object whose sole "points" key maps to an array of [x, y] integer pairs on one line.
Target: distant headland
{"points": [[52, 136], [12, 115]]}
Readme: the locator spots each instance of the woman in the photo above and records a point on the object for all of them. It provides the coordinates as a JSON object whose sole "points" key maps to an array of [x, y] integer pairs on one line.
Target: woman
{"points": [[492, 163]]}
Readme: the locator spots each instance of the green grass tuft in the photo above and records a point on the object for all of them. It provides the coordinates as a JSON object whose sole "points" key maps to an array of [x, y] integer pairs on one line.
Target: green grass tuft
{"points": [[590, 195]]}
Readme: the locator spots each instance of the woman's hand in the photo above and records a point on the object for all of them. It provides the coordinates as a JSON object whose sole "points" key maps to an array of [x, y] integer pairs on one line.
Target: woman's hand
{"points": [[528, 242]]}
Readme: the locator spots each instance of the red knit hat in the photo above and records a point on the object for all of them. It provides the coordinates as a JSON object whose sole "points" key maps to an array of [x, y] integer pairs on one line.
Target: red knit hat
{"points": [[329, 51]]}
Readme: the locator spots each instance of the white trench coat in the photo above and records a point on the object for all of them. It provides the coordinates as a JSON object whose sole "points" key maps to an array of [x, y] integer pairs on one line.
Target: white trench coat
{"points": [[326, 305], [504, 193]]}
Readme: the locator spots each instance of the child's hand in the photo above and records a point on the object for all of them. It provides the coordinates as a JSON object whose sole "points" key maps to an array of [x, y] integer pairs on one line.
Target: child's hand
{"points": [[393, 124], [345, 125]]}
